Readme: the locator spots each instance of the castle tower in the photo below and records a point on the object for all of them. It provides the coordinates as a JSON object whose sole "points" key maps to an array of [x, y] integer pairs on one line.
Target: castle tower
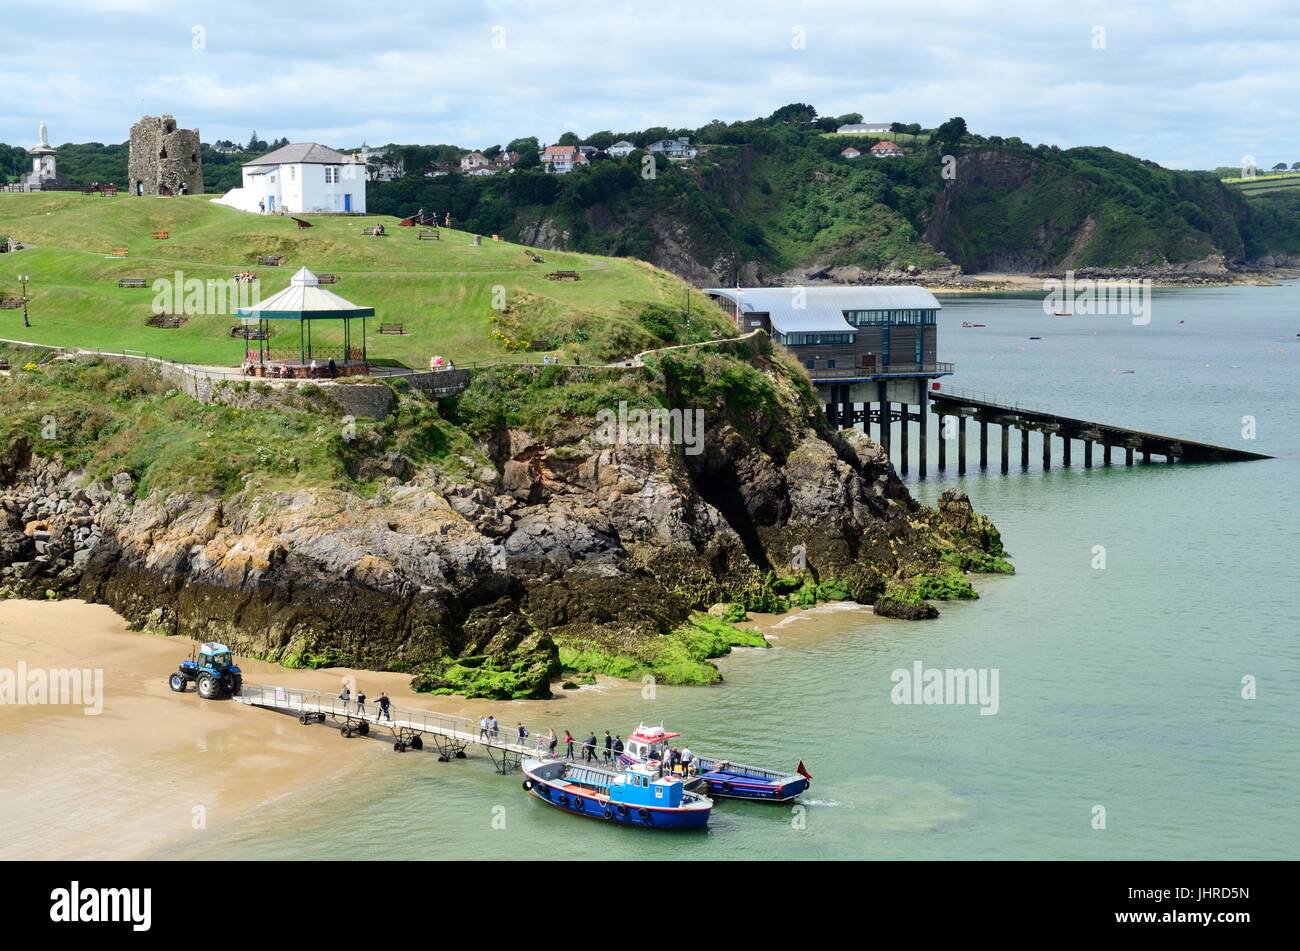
{"points": [[163, 159]]}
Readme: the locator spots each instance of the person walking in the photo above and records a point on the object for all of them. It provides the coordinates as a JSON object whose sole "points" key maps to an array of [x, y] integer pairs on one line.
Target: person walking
{"points": [[618, 746], [609, 747], [346, 697], [686, 760], [523, 735], [551, 742], [494, 728], [589, 747], [568, 745], [361, 703], [483, 727], [384, 704]]}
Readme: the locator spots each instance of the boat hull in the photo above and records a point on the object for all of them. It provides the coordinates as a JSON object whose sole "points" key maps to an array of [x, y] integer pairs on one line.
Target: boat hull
{"points": [[730, 785], [582, 803]]}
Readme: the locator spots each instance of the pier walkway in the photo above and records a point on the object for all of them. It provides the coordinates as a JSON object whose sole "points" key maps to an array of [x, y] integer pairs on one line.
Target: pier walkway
{"points": [[450, 735]]}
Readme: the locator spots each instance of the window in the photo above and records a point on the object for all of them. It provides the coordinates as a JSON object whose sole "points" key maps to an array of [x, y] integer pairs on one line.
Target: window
{"points": [[293, 173], [830, 364], [810, 364]]}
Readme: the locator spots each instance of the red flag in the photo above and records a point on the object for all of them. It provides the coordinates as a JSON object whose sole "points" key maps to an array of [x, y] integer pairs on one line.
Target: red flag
{"points": [[802, 771]]}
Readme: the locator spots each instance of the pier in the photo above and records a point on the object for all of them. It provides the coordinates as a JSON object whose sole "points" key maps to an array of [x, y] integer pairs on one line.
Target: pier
{"points": [[915, 402], [410, 729]]}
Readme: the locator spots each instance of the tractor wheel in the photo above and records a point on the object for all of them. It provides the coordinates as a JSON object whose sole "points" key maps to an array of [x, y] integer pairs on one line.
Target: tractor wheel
{"points": [[399, 747], [303, 719], [208, 687], [236, 684], [346, 731], [363, 728], [177, 682], [416, 743]]}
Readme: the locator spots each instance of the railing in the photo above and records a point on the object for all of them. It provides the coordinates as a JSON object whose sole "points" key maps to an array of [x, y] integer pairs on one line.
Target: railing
{"points": [[892, 369]]}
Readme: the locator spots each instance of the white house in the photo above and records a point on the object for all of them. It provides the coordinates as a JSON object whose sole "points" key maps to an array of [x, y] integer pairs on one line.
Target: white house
{"points": [[562, 159], [477, 163], [863, 127], [849, 152], [679, 148], [301, 178], [621, 149], [886, 150], [379, 166]]}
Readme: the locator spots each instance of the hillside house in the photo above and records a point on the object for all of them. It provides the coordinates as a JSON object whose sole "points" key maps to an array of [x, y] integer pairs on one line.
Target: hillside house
{"points": [[860, 127], [301, 178], [849, 152], [562, 159], [886, 150], [621, 149], [678, 149]]}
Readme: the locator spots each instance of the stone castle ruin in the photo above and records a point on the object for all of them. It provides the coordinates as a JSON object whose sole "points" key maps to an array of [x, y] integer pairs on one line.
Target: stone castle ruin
{"points": [[163, 159]]}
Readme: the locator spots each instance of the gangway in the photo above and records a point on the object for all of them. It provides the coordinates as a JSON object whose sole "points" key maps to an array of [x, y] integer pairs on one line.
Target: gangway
{"points": [[450, 735]]}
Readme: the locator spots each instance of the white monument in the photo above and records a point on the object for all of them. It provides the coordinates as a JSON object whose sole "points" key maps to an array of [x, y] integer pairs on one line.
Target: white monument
{"points": [[43, 168]]}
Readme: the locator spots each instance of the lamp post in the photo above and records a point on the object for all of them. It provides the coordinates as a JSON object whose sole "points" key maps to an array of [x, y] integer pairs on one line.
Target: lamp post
{"points": [[23, 279]]}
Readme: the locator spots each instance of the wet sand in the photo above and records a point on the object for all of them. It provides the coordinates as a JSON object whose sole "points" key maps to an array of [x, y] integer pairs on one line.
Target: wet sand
{"points": [[131, 780]]}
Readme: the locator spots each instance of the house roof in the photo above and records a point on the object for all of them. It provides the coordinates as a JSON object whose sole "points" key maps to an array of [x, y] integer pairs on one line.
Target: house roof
{"points": [[886, 145], [304, 299], [848, 148], [307, 153], [823, 307]]}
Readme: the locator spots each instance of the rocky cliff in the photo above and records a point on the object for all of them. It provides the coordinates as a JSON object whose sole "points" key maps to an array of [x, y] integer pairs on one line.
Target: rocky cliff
{"points": [[478, 584]]}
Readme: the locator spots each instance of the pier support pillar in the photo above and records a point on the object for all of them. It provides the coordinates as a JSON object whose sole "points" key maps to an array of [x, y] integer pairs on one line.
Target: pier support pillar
{"points": [[1047, 450], [1169, 458], [830, 410], [1128, 455], [1006, 447], [1024, 448], [961, 445], [1065, 451], [943, 444], [903, 426], [1146, 457], [925, 429], [1087, 453], [1105, 454], [984, 444], [882, 392]]}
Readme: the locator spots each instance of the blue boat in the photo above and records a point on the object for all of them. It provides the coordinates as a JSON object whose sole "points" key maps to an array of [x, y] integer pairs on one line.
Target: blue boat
{"points": [[637, 796], [714, 775]]}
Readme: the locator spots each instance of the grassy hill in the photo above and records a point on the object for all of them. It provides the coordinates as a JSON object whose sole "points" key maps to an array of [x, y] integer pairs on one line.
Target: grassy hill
{"points": [[441, 291]]}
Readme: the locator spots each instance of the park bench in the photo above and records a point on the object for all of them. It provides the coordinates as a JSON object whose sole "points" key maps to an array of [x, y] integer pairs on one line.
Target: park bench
{"points": [[302, 222], [375, 231], [132, 282], [327, 278], [562, 276], [396, 330], [249, 332], [4, 364], [167, 321], [271, 260], [161, 235], [429, 235], [11, 303], [119, 253]]}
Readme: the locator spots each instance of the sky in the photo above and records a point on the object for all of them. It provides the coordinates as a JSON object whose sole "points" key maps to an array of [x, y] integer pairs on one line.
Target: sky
{"points": [[1185, 84]]}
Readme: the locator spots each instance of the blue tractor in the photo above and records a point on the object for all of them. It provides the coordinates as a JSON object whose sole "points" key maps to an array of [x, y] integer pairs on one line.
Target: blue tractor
{"points": [[213, 672]]}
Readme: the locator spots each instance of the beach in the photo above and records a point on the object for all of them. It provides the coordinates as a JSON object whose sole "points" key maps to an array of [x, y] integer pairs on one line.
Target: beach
{"points": [[154, 768]]}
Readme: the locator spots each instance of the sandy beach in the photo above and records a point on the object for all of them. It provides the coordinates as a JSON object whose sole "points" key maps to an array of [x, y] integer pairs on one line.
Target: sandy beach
{"points": [[136, 778]]}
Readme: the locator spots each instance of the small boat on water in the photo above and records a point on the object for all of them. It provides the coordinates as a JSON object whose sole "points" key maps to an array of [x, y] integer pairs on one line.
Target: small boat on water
{"points": [[967, 323], [714, 775], [637, 796]]}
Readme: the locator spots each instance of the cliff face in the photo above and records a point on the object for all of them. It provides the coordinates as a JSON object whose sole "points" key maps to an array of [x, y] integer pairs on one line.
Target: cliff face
{"points": [[563, 541]]}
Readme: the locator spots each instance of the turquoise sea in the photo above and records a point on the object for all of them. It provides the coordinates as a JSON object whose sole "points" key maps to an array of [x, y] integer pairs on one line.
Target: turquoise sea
{"points": [[1119, 687]]}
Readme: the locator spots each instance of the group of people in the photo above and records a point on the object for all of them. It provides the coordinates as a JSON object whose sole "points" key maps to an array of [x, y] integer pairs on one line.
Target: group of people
{"points": [[489, 729], [436, 362], [383, 703], [244, 277], [283, 371]]}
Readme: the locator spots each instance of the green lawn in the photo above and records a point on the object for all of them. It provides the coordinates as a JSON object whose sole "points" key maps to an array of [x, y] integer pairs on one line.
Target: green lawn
{"points": [[441, 291]]}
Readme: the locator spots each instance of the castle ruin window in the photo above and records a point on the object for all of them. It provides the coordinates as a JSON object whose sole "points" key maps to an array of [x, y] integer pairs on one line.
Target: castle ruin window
{"points": [[162, 153]]}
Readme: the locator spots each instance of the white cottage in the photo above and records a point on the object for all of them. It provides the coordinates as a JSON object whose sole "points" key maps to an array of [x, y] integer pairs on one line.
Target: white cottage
{"points": [[301, 178]]}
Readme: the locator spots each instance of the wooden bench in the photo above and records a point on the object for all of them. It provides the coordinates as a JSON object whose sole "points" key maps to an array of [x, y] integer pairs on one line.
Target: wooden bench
{"points": [[132, 282], [11, 303], [119, 253], [429, 235], [250, 332], [562, 276], [376, 231], [396, 330], [161, 235], [271, 260], [327, 278], [4, 364], [167, 322]]}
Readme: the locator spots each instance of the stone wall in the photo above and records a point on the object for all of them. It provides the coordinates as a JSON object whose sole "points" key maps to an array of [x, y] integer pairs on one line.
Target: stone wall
{"points": [[163, 158]]}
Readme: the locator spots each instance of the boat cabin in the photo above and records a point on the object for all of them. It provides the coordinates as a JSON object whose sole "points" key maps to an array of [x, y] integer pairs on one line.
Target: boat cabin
{"points": [[647, 744], [639, 785]]}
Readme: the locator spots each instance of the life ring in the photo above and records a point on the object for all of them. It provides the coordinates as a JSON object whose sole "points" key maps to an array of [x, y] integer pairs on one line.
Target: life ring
{"points": [[609, 813], [622, 811], [528, 785], [644, 814], [726, 789]]}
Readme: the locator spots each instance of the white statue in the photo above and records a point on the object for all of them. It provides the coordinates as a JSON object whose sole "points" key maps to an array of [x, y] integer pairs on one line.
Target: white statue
{"points": [[45, 136]]}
